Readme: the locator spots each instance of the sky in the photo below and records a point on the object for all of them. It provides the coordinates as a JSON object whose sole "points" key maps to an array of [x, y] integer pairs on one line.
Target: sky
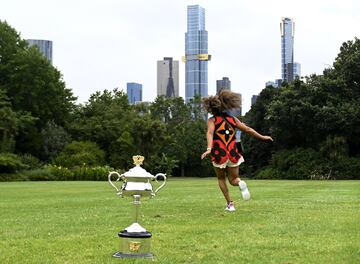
{"points": [[103, 44]]}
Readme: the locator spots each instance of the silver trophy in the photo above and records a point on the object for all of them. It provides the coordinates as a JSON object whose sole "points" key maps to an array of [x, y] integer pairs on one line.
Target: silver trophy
{"points": [[135, 239]]}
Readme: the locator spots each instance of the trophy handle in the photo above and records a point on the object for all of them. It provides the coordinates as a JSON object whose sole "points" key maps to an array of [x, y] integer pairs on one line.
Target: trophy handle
{"points": [[162, 185], [120, 177]]}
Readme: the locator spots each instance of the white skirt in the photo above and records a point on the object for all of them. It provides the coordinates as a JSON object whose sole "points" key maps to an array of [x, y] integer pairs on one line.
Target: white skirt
{"points": [[228, 163]]}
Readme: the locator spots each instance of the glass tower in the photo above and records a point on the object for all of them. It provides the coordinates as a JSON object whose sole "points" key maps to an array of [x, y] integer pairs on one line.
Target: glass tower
{"points": [[287, 29], [297, 70], [44, 46], [196, 53], [134, 92]]}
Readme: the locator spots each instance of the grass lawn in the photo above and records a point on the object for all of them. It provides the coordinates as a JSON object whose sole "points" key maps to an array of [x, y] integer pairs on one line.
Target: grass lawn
{"points": [[285, 222]]}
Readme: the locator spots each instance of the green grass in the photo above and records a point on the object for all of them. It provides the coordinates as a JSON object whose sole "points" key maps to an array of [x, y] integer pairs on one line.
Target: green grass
{"points": [[285, 222]]}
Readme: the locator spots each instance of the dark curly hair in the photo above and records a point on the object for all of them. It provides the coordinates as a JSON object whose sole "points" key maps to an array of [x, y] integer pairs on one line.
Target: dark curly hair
{"points": [[215, 104]]}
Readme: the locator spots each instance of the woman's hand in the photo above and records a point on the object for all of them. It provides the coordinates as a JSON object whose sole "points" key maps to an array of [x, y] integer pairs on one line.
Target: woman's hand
{"points": [[207, 152], [267, 138]]}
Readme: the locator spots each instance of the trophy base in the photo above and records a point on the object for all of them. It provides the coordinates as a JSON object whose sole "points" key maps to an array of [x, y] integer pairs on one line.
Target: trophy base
{"points": [[134, 245], [127, 255]]}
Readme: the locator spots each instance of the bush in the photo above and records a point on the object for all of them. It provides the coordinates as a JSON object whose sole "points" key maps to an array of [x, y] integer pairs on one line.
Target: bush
{"points": [[346, 169], [79, 154], [7, 177], [83, 173], [30, 161], [268, 173], [302, 163], [10, 163], [39, 174], [296, 164]]}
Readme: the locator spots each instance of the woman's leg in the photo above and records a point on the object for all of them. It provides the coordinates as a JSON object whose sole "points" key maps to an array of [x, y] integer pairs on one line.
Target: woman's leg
{"points": [[220, 173], [233, 175]]}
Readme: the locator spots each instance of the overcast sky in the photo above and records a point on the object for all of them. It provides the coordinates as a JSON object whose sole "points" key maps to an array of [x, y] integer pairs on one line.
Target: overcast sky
{"points": [[103, 44]]}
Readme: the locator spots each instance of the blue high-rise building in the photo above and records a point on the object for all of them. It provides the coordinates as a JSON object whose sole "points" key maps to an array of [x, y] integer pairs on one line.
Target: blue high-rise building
{"points": [[196, 53], [44, 46], [287, 29], [253, 99], [297, 70], [134, 92]]}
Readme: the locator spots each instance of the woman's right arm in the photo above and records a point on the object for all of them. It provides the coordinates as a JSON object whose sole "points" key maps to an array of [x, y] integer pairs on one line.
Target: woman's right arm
{"points": [[209, 137], [252, 132]]}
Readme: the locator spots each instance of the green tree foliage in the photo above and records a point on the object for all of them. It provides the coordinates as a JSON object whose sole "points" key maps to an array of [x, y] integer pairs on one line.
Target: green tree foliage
{"points": [[11, 123], [321, 112], [312, 119], [346, 74], [177, 117], [347, 68], [80, 153], [32, 85], [10, 162], [295, 164], [55, 138], [166, 132], [185, 138], [10, 43], [257, 153], [107, 120]]}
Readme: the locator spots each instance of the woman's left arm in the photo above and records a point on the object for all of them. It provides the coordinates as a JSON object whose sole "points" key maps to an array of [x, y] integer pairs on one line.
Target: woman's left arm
{"points": [[251, 131]]}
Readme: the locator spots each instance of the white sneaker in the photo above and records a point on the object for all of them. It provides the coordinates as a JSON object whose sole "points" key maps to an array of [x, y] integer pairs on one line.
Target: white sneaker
{"points": [[244, 190], [230, 207]]}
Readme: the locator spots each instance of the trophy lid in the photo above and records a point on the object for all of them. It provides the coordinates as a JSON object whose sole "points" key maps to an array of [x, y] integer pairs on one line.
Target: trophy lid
{"points": [[138, 171]]}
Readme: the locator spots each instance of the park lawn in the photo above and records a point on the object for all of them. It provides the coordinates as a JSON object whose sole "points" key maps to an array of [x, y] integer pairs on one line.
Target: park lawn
{"points": [[284, 222]]}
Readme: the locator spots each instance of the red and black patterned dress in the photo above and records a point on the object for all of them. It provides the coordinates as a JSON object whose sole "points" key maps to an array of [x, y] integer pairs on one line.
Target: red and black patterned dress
{"points": [[224, 141]]}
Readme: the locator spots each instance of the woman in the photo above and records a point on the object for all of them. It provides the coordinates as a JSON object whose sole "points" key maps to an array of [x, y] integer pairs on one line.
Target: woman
{"points": [[221, 142]]}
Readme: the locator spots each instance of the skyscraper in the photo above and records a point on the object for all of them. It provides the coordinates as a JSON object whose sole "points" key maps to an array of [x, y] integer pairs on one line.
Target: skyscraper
{"points": [[225, 83], [287, 29], [253, 99], [168, 77], [134, 92], [44, 46], [196, 53], [297, 70]]}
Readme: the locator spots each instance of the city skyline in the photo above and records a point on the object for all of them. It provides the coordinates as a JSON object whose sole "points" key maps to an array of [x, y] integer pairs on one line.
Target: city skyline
{"points": [[102, 45]]}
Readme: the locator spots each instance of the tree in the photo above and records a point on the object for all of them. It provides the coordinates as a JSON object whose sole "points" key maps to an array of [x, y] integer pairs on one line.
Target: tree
{"points": [[106, 119], [176, 114], [320, 113], [55, 139], [10, 43], [32, 85], [347, 68], [257, 154], [11, 123], [184, 138]]}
